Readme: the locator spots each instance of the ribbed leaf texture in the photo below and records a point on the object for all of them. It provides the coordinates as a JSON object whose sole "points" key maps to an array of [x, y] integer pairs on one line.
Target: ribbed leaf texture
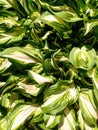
{"points": [[48, 65]]}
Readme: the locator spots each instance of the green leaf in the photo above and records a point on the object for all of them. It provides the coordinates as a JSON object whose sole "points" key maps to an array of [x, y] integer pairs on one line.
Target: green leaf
{"points": [[56, 88], [56, 103], [39, 78], [90, 25], [9, 21], [38, 115], [43, 127], [5, 102], [54, 21], [48, 65], [83, 124], [3, 124], [22, 56], [10, 83], [88, 111], [4, 65], [17, 6], [30, 6], [51, 120], [5, 4], [11, 36], [95, 91], [82, 58], [19, 115], [57, 99], [31, 89], [68, 16], [68, 120], [81, 120], [94, 76]]}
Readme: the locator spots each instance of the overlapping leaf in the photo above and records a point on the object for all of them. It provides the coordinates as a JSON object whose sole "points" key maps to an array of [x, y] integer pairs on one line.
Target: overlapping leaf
{"points": [[48, 65]]}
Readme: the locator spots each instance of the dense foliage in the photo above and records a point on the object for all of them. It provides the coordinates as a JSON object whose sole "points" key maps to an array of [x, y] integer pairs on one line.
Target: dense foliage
{"points": [[48, 65]]}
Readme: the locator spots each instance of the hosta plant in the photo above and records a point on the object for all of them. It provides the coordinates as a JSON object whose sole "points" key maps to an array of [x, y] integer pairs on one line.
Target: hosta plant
{"points": [[48, 65]]}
